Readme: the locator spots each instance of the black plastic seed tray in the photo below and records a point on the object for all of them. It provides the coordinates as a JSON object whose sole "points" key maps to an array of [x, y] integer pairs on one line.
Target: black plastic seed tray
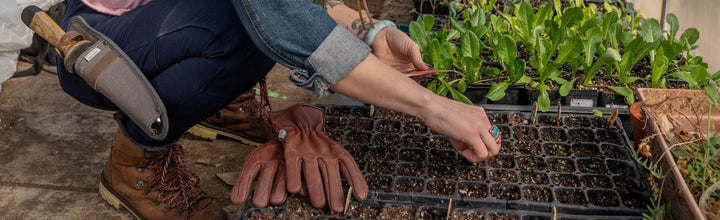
{"points": [[581, 167]]}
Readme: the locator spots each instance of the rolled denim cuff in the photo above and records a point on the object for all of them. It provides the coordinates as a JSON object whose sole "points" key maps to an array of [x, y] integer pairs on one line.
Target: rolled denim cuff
{"points": [[336, 56]]}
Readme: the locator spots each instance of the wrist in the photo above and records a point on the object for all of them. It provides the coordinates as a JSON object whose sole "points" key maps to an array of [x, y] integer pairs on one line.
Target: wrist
{"points": [[373, 32]]}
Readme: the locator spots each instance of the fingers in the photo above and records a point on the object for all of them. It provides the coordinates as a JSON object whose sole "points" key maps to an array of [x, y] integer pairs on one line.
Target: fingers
{"points": [[244, 181], [293, 170], [333, 184], [279, 192], [416, 58], [314, 183], [354, 178], [264, 185], [491, 145]]}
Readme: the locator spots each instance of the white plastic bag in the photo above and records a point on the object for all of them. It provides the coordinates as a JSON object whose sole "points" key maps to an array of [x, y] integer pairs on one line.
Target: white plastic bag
{"points": [[15, 35]]}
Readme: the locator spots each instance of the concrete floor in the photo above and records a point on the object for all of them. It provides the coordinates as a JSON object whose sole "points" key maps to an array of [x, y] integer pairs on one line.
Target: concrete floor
{"points": [[53, 149]]}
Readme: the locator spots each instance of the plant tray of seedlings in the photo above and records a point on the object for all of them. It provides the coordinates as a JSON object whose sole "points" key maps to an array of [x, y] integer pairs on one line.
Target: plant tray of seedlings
{"points": [[581, 167]]}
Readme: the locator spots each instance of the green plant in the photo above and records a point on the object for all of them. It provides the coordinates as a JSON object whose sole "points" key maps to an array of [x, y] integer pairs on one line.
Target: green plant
{"points": [[505, 51]]}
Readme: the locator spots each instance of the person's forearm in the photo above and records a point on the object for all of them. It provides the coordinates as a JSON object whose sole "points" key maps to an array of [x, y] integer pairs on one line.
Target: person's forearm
{"points": [[375, 83], [348, 17]]}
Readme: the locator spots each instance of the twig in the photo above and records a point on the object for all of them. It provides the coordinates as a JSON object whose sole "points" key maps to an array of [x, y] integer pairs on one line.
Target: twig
{"points": [[447, 217], [347, 201], [553, 216], [362, 21], [613, 116], [703, 199], [557, 120], [367, 9], [372, 110], [533, 115]]}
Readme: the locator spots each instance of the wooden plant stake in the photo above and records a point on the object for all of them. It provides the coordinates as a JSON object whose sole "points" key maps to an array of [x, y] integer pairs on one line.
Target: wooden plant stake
{"points": [[557, 120], [612, 117], [533, 115], [372, 110], [447, 217], [553, 216], [347, 201]]}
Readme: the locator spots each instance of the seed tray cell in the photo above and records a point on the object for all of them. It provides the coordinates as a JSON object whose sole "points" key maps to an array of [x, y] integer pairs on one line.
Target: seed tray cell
{"points": [[581, 167]]}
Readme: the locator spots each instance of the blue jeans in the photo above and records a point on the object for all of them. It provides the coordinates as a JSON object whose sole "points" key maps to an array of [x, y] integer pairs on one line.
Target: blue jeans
{"points": [[195, 53]]}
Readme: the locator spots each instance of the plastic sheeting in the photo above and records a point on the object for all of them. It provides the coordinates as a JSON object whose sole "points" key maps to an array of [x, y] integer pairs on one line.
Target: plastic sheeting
{"points": [[15, 35]]}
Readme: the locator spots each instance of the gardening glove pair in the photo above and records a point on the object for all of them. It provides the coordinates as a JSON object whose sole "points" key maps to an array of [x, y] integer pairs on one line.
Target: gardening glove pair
{"points": [[313, 163]]}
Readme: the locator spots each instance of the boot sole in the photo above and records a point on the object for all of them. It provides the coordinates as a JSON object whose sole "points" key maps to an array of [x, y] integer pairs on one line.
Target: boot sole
{"points": [[210, 132], [115, 200]]}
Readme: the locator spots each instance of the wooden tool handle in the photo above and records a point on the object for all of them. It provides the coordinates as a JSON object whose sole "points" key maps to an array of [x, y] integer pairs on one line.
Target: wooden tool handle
{"points": [[40, 22]]}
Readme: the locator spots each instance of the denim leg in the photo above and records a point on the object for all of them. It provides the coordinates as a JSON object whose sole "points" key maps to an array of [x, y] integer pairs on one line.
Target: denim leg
{"points": [[195, 53]]}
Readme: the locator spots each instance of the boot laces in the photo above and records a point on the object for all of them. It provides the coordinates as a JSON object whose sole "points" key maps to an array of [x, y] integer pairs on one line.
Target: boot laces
{"points": [[173, 179]]}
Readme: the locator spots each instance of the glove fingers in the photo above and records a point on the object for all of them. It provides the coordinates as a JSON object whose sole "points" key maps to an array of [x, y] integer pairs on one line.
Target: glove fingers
{"points": [[241, 190], [314, 183], [354, 177], [303, 190], [333, 184], [293, 169], [279, 192], [263, 188]]}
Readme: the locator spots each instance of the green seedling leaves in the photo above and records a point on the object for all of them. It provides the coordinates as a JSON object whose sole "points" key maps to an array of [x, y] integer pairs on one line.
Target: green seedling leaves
{"points": [[593, 22], [418, 34], [566, 87], [455, 94], [472, 67], [690, 36], [569, 49], [674, 26], [611, 56], [470, 45], [428, 21], [609, 19], [651, 31], [597, 113], [543, 99], [624, 91], [462, 86], [490, 72], [477, 18], [497, 91], [659, 68], [435, 53], [571, 17], [505, 48]]}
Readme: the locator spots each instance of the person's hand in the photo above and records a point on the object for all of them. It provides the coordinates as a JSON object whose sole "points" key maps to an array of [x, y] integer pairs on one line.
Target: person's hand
{"points": [[467, 127], [320, 160], [396, 49], [266, 163]]}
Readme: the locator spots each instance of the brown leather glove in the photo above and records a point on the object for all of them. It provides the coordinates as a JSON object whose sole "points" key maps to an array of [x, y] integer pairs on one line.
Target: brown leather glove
{"points": [[310, 152], [266, 163]]}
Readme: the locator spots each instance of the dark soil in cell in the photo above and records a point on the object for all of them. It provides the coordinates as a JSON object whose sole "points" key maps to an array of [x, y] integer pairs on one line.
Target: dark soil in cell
{"points": [[333, 111], [557, 149], [547, 120], [609, 136], [361, 162], [362, 211], [470, 173], [597, 181], [361, 124], [298, 205], [441, 171], [504, 176], [412, 155], [586, 150], [498, 119], [604, 198], [504, 131], [397, 212], [600, 122], [416, 141], [505, 191], [502, 161], [635, 200], [577, 122], [378, 167], [537, 178], [262, 214], [388, 114], [411, 169], [379, 183], [360, 112], [615, 151], [581, 135], [357, 151], [473, 190], [385, 139], [293, 215], [537, 194], [356, 137], [570, 196], [440, 142], [413, 125], [502, 216], [442, 157], [527, 148], [620, 167], [387, 126], [591, 166], [628, 183], [553, 134], [336, 122], [409, 185], [381, 153], [531, 163], [467, 215], [441, 187], [336, 135], [430, 213], [525, 133], [560, 165], [517, 119], [565, 179], [507, 147]]}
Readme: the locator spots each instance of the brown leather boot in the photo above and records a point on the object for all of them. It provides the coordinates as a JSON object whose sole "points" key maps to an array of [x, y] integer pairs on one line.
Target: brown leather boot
{"points": [[239, 120], [154, 185]]}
